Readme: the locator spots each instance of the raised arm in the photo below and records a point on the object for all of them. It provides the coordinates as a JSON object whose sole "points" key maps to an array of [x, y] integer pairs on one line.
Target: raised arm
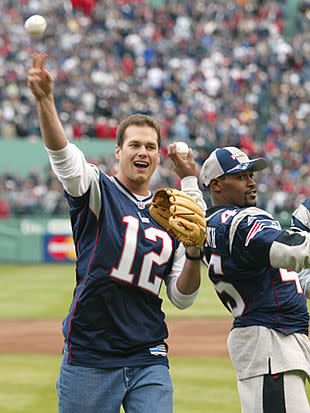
{"points": [[41, 84], [187, 171], [67, 161], [188, 281]]}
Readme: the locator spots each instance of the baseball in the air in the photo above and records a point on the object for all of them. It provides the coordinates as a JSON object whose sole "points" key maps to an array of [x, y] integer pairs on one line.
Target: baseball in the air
{"points": [[182, 149], [35, 25]]}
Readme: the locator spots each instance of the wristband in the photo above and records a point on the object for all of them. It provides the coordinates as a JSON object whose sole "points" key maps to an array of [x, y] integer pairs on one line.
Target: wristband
{"points": [[189, 257]]}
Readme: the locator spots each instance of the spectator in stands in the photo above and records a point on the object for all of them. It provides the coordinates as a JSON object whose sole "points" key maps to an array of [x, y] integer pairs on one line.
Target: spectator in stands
{"points": [[213, 73]]}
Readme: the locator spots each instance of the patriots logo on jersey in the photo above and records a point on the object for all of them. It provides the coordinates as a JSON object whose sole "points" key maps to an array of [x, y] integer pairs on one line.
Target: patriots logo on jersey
{"points": [[258, 226], [159, 350], [144, 219]]}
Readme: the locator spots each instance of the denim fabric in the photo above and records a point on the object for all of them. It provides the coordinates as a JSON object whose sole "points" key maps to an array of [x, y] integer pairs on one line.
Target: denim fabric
{"points": [[95, 390]]}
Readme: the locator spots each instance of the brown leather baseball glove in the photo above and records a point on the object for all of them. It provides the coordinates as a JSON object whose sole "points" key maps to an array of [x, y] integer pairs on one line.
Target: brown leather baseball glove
{"points": [[180, 215]]}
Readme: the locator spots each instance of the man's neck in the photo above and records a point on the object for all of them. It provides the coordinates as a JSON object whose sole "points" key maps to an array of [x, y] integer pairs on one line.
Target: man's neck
{"points": [[136, 188]]}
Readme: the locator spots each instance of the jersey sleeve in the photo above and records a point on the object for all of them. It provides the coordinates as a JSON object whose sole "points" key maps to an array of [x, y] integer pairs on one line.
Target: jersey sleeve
{"points": [[72, 169], [291, 250], [258, 239], [251, 234]]}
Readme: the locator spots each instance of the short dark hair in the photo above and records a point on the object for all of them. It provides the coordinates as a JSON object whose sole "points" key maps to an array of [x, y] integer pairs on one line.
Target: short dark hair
{"points": [[139, 119]]}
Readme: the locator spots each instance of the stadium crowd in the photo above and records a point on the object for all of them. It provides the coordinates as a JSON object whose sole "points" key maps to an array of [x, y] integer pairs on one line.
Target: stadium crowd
{"points": [[213, 73]]}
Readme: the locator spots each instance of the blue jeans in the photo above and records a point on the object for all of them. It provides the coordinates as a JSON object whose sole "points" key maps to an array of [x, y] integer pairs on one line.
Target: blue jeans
{"points": [[146, 389]]}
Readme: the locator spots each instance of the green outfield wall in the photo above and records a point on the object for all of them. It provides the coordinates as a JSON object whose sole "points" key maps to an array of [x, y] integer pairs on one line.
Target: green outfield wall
{"points": [[36, 240], [21, 156]]}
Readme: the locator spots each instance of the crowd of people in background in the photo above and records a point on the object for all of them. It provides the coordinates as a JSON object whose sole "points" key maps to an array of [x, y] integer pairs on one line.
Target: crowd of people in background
{"points": [[213, 73]]}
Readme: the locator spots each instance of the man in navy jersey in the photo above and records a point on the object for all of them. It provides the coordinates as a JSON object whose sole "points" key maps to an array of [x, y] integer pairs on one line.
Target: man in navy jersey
{"points": [[115, 352], [252, 263]]}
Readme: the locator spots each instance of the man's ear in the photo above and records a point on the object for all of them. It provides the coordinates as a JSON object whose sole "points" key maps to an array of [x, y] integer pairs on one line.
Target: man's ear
{"points": [[117, 152], [159, 152], [216, 185]]}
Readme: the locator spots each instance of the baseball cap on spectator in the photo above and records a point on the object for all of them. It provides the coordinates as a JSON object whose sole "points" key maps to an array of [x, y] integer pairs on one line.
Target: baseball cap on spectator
{"points": [[229, 160]]}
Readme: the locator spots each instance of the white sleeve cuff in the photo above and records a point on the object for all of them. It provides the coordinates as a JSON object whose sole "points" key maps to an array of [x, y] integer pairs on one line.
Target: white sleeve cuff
{"points": [[180, 300], [59, 153]]}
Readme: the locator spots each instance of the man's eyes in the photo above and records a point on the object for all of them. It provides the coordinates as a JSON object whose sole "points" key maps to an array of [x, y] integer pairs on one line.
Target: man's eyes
{"points": [[244, 177], [149, 147]]}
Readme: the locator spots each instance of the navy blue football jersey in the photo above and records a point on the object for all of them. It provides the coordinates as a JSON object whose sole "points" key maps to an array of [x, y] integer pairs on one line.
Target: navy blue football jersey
{"points": [[123, 256], [237, 255]]}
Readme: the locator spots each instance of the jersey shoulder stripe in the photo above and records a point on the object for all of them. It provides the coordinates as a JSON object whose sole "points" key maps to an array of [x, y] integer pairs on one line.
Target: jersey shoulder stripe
{"points": [[253, 211]]}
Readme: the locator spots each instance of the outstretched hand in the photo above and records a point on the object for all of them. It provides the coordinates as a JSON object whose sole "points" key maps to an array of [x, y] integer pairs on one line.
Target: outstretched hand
{"points": [[182, 167], [39, 79]]}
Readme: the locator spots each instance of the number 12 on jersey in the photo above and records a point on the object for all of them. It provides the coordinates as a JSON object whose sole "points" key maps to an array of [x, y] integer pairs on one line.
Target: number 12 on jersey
{"points": [[124, 272]]}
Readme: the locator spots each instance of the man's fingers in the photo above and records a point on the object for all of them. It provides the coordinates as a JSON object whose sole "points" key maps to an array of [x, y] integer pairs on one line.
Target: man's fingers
{"points": [[34, 74], [174, 154], [35, 59], [38, 60], [190, 155], [42, 60], [171, 149]]}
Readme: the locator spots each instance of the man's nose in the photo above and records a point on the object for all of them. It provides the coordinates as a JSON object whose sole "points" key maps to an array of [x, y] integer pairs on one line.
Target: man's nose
{"points": [[142, 150]]}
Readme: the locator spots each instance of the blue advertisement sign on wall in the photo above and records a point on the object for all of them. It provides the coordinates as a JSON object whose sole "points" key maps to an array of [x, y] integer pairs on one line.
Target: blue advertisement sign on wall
{"points": [[58, 248]]}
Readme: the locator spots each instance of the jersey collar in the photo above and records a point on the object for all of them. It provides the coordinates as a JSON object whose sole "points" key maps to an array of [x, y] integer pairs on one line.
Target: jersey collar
{"points": [[141, 203], [216, 208]]}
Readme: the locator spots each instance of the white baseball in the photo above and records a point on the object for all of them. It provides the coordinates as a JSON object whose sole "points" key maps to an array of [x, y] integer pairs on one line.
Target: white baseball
{"points": [[182, 149], [35, 25]]}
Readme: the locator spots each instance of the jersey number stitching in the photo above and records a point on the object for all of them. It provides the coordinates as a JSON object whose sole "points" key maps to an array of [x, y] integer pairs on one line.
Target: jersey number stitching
{"points": [[123, 270], [290, 276], [223, 287]]}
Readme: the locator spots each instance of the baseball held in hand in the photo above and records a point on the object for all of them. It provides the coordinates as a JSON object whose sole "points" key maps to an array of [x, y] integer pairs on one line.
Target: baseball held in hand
{"points": [[35, 25], [182, 149]]}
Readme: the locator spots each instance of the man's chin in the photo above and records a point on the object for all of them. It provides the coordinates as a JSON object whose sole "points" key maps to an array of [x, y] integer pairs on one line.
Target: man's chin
{"points": [[140, 179], [249, 203]]}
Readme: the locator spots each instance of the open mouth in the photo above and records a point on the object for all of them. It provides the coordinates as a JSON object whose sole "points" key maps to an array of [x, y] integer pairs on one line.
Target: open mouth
{"points": [[141, 164]]}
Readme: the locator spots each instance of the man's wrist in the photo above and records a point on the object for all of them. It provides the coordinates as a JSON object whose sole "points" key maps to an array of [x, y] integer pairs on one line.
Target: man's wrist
{"points": [[193, 253]]}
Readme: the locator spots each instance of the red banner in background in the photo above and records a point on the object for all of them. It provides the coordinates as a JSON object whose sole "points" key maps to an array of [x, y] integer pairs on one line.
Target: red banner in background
{"points": [[59, 248], [86, 6], [129, 1]]}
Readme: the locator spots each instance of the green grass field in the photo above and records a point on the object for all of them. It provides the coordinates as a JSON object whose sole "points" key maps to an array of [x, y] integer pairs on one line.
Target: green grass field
{"points": [[27, 382], [32, 292]]}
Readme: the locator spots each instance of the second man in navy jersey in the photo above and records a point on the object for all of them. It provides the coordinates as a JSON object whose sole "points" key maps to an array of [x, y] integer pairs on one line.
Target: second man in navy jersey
{"points": [[252, 263]]}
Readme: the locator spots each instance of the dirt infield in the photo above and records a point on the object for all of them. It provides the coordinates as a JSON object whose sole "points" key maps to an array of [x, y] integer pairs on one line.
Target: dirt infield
{"points": [[205, 337]]}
